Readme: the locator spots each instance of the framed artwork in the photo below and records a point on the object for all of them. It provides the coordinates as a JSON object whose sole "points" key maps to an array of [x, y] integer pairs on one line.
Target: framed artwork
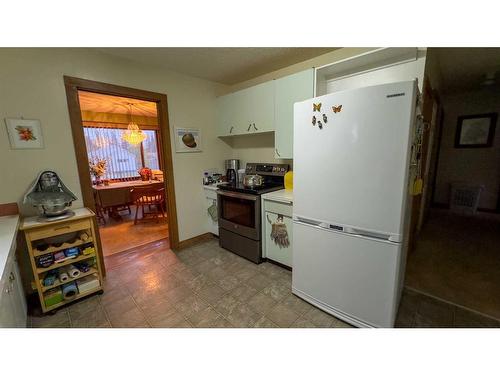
{"points": [[475, 130], [24, 134], [187, 140]]}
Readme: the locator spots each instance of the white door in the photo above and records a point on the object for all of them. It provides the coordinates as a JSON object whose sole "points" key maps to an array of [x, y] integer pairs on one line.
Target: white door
{"points": [[349, 276], [354, 171]]}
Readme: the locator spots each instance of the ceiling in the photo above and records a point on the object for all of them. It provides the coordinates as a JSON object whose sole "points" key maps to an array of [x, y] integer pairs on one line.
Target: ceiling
{"points": [[465, 68], [224, 65], [90, 101]]}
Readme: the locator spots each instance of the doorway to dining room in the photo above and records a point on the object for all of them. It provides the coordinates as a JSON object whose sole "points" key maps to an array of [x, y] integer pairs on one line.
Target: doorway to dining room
{"points": [[123, 152]]}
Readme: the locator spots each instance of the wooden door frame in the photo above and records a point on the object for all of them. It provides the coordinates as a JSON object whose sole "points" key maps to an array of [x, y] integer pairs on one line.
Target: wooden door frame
{"points": [[73, 85]]}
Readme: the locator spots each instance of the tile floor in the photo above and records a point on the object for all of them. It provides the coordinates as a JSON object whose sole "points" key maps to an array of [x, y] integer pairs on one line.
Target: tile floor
{"points": [[207, 286]]}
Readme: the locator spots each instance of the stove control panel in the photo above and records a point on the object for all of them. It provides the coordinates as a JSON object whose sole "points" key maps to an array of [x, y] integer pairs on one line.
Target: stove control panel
{"points": [[267, 169]]}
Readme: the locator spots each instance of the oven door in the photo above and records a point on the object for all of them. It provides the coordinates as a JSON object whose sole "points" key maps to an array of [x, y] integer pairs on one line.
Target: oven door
{"points": [[239, 213]]}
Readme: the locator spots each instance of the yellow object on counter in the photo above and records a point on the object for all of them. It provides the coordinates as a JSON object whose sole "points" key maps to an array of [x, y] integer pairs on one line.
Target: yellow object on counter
{"points": [[289, 180]]}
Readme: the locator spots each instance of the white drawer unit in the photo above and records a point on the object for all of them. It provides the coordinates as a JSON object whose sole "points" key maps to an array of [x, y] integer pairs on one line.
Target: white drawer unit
{"points": [[277, 228], [211, 200]]}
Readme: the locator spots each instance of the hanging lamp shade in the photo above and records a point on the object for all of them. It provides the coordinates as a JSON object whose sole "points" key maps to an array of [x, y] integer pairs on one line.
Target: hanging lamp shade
{"points": [[133, 134]]}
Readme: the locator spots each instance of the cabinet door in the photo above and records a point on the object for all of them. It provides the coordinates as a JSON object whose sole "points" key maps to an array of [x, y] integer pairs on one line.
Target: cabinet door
{"points": [[289, 90], [17, 295], [258, 108], [226, 115], [283, 255], [7, 311]]}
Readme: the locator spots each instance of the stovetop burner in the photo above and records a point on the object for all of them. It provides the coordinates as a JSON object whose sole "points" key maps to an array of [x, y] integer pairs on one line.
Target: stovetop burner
{"points": [[240, 188]]}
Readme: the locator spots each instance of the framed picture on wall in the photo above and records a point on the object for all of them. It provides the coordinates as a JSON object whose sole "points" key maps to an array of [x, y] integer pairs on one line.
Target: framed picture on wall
{"points": [[475, 130], [24, 134], [187, 140]]}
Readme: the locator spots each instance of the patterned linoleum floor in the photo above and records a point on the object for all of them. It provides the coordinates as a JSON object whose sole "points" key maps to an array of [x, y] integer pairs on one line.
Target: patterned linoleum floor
{"points": [[207, 286]]}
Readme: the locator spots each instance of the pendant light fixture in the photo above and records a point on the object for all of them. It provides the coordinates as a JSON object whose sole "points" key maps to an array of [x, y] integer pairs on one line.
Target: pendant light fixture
{"points": [[133, 134]]}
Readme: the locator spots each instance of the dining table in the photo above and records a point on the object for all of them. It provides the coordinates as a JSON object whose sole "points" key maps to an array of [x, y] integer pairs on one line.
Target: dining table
{"points": [[117, 194]]}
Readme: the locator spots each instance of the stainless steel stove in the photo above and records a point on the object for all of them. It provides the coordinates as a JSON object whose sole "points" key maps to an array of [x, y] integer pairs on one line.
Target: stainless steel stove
{"points": [[240, 210]]}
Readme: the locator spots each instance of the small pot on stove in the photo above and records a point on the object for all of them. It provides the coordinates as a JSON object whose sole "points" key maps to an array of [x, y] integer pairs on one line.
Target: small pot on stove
{"points": [[253, 180]]}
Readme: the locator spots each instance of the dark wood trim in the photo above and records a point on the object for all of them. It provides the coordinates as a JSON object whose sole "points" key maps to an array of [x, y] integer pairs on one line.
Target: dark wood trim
{"points": [[491, 134], [438, 151], [73, 85], [8, 209], [196, 240]]}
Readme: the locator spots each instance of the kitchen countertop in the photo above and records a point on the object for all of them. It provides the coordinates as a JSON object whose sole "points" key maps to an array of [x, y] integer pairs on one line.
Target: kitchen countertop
{"points": [[283, 196], [8, 232], [212, 186]]}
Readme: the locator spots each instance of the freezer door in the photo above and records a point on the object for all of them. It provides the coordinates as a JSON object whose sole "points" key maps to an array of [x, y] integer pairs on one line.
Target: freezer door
{"points": [[352, 277], [354, 171]]}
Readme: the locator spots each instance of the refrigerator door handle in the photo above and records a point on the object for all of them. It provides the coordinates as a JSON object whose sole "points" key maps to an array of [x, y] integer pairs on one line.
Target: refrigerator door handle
{"points": [[369, 234], [304, 220]]}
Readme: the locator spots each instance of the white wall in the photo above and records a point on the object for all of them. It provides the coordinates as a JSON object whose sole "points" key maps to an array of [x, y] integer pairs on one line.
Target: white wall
{"points": [[472, 165], [400, 72], [32, 86]]}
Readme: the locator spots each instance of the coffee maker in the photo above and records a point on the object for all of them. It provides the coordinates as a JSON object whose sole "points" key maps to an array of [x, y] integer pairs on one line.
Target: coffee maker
{"points": [[232, 166]]}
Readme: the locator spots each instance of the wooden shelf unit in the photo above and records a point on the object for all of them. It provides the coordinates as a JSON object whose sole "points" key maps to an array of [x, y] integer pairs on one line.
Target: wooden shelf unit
{"points": [[64, 246], [65, 263], [34, 231], [58, 283]]}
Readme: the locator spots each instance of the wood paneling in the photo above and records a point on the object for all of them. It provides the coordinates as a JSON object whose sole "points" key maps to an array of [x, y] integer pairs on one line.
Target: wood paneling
{"points": [[118, 120], [73, 85], [96, 102]]}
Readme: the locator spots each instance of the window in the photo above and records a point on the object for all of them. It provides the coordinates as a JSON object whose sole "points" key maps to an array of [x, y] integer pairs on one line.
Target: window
{"points": [[123, 159]]}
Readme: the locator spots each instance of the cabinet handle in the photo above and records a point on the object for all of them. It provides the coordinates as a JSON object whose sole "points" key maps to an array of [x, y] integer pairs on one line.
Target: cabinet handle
{"points": [[255, 126], [249, 126], [12, 277], [277, 152], [269, 220], [231, 130]]}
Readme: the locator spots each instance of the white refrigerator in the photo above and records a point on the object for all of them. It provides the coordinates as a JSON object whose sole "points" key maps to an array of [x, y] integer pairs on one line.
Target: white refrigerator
{"points": [[351, 200]]}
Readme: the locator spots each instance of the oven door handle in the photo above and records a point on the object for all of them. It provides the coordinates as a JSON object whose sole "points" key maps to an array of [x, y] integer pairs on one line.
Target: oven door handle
{"points": [[238, 195]]}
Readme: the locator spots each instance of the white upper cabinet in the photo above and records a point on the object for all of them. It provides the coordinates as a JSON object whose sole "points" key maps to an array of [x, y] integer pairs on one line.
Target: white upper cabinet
{"points": [[258, 108], [226, 115], [289, 90], [247, 111], [264, 108]]}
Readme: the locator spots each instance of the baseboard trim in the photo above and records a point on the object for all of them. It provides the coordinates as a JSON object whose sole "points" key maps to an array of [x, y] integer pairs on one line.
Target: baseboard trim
{"points": [[8, 209], [195, 240]]}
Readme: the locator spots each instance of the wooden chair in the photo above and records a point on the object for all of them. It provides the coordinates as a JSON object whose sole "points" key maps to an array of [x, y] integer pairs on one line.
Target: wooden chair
{"points": [[150, 197], [99, 210]]}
